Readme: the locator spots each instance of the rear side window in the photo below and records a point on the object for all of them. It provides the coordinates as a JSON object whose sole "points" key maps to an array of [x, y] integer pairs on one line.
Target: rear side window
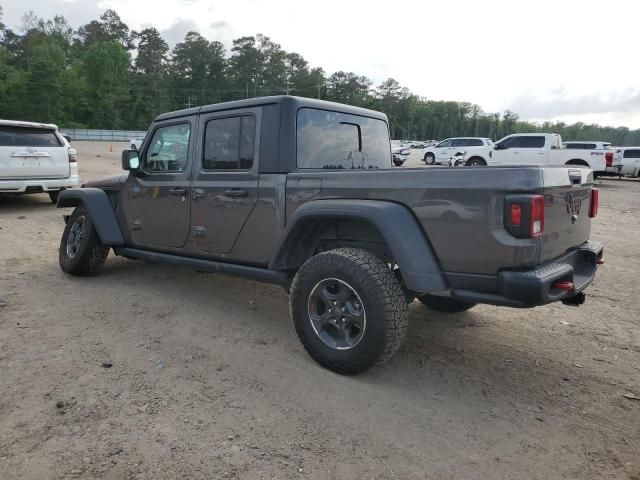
{"points": [[531, 142], [580, 146], [229, 143], [632, 153], [523, 142], [28, 137], [328, 139], [474, 142]]}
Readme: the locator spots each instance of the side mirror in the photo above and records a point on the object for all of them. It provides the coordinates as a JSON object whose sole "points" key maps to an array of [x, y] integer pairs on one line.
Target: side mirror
{"points": [[498, 146], [130, 160], [67, 137]]}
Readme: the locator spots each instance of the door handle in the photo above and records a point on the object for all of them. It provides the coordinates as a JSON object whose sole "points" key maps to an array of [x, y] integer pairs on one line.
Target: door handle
{"points": [[197, 193], [178, 192], [235, 193]]}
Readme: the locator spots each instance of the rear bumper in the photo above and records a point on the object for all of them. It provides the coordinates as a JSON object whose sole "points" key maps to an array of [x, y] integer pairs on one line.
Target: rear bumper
{"points": [[530, 288], [32, 185]]}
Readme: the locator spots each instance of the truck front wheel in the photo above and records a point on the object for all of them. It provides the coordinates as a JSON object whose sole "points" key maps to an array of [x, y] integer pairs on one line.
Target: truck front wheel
{"points": [[348, 309], [445, 304], [81, 252]]}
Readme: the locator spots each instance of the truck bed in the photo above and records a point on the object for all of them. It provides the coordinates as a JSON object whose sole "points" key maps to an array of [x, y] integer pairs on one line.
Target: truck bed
{"points": [[461, 210]]}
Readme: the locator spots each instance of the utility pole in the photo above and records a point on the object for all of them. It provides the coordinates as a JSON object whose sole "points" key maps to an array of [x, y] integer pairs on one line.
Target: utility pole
{"points": [[188, 102]]}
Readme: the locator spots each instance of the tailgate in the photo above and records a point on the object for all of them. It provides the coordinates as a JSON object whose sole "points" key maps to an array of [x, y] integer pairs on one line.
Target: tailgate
{"points": [[32, 152], [567, 223]]}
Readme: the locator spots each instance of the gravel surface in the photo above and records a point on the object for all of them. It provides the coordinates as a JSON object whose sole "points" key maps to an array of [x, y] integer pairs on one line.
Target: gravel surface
{"points": [[158, 372]]}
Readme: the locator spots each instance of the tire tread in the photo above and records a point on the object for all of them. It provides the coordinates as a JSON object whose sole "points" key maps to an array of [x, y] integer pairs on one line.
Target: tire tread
{"points": [[372, 275]]}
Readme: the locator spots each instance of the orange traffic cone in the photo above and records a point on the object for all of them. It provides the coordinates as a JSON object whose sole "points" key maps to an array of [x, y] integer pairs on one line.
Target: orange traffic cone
{"points": [[110, 148]]}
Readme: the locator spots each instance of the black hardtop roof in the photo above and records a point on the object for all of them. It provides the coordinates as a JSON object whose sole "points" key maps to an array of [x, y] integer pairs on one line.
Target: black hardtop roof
{"points": [[288, 100]]}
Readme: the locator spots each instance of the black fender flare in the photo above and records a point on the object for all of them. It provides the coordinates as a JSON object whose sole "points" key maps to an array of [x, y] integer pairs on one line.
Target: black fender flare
{"points": [[404, 236], [97, 203]]}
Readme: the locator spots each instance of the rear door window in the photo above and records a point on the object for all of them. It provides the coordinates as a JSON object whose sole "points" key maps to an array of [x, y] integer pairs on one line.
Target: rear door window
{"points": [[632, 153], [12, 136], [523, 142], [229, 143], [329, 140]]}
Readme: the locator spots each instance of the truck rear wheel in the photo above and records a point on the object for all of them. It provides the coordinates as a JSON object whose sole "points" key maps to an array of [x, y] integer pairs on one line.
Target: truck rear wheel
{"points": [[445, 304], [81, 252], [348, 309]]}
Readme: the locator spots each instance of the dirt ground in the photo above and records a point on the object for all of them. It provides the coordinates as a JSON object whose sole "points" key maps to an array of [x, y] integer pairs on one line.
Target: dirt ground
{"points": [[155, 372]]}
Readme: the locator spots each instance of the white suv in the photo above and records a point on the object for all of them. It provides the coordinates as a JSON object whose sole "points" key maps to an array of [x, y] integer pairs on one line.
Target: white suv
{"points": [[35, 158], [447, 150]]}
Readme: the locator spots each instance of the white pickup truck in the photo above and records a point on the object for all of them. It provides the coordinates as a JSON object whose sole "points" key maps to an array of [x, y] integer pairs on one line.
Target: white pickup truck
{"points": [[35, 158], [538, 149], [630, 161]]}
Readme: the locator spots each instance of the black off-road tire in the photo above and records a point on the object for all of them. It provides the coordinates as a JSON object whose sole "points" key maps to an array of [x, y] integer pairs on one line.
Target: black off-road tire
{"points": [[90, 253], [382, 297], [54, 196], [445, 304]]}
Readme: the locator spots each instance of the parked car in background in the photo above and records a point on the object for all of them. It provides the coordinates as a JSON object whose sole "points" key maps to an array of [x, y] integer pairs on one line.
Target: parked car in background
{"points": [[135, 143], [538, 149], [613, 168], [400, 154], [630, 161], [446, 150], [35, 158]]}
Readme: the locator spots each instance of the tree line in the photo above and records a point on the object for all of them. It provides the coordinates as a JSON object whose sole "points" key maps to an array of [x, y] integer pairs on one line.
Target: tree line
{"points": [[105, 75]]}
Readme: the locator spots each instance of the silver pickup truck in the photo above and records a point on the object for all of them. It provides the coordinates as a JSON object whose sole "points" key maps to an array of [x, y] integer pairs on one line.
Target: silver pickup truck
{"points": [[302, 193]]}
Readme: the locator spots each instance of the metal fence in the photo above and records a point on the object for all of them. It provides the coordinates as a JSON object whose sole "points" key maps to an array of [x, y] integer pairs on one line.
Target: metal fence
{"points": [[79, 134]]}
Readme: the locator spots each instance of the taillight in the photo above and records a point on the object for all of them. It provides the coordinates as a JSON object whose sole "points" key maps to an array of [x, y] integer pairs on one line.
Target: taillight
{"points": [[537, 216], [524, 215], [608, 156], [72, 156], [595, 202], [516, 214]]}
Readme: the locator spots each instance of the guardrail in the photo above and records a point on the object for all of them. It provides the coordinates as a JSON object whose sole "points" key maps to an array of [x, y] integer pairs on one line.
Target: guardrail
{"points": [[79, 134]]}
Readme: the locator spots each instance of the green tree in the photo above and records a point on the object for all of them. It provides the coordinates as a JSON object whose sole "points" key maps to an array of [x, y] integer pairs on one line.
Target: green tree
{"points": [[197, 71], [106, 69], [348, 87]]}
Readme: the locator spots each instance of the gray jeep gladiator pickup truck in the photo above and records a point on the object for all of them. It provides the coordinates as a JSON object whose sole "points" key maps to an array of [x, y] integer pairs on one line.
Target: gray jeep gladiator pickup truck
{"points": [[302, 193]]}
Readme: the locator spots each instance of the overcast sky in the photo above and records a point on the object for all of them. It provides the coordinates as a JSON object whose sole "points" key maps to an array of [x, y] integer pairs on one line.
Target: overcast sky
{"points": [[561, 59]]}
